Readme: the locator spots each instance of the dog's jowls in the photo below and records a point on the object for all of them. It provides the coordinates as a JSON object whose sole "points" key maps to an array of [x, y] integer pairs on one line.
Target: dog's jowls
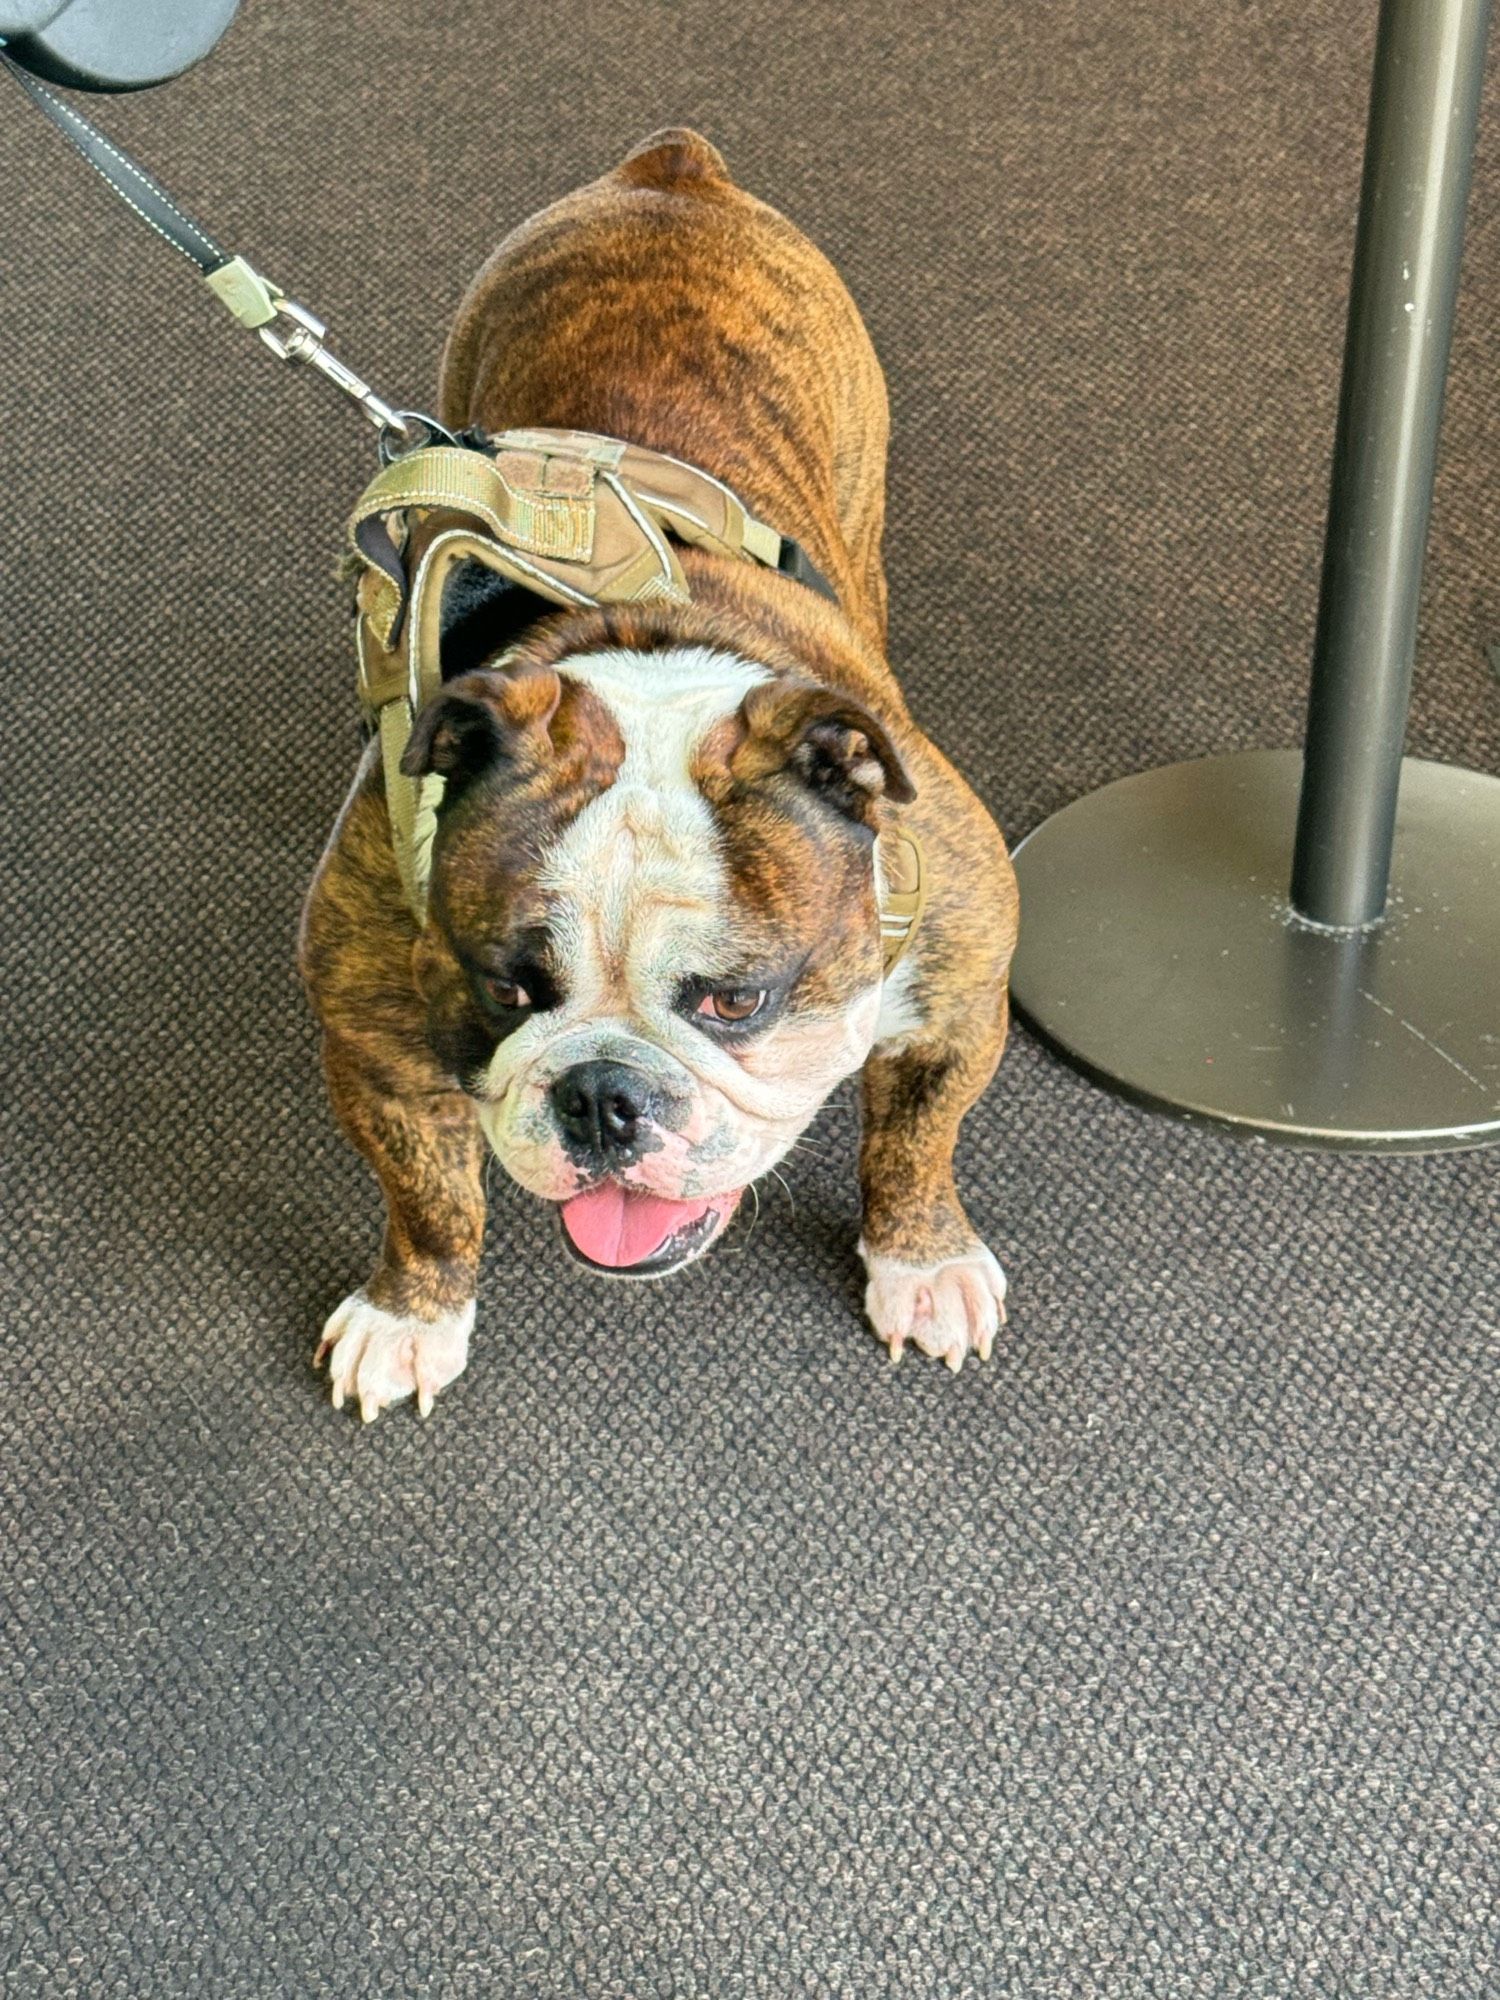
{"points": [[653, 946]]}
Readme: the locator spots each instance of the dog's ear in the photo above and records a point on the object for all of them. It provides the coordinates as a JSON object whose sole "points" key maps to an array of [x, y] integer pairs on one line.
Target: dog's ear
{"points": [[481, 722], [824, 738]]}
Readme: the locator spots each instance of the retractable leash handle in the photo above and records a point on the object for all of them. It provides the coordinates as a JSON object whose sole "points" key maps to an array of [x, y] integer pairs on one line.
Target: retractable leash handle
{"points": [[110, 45], [292, 333]]}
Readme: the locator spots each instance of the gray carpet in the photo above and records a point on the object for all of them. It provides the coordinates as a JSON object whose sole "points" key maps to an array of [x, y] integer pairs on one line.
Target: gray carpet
{"points": [[691, 1649]]}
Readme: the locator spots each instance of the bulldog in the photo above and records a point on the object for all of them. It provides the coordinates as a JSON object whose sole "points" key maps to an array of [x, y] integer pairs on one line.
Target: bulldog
{"points": [[658, 931]]}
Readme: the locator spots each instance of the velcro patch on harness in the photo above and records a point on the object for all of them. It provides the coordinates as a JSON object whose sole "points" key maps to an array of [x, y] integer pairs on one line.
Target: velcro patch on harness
{"points": [[552, 509]]}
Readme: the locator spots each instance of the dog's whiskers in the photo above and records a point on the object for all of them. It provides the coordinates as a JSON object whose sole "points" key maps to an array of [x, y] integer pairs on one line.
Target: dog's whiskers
{"points": [[818, 1151], [785, 1189], [754, 1220]]}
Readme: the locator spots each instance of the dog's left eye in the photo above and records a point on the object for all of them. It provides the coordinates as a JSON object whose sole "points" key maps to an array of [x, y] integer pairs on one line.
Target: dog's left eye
{"points": [[508, 994], [733, 1004]]}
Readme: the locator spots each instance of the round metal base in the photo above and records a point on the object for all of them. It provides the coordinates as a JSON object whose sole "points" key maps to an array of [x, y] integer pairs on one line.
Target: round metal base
{"points": [[1159, 954]]}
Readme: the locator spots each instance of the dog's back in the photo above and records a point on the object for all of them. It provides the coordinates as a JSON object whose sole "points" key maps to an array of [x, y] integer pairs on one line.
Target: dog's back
{"points": [[663, 304]]}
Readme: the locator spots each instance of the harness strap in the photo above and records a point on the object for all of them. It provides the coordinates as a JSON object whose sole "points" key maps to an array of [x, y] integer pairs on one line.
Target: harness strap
{"points": [[903, 893], [578, 519]]}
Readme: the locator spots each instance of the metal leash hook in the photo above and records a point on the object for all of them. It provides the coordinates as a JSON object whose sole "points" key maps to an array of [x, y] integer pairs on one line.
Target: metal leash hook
{"points": [[303, 341], [291, 332], [298, 336]]}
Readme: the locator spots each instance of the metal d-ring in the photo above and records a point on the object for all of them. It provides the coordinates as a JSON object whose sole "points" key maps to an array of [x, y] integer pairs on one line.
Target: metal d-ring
{"points": [[411, 430]]}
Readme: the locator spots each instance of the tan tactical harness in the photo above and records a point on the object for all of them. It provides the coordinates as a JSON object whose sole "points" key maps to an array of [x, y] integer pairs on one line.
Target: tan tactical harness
{"points": [[575, 518]]}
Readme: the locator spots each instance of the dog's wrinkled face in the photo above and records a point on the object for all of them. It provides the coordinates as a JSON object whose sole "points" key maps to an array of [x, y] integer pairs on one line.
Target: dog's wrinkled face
{"points": [[653, 948]]}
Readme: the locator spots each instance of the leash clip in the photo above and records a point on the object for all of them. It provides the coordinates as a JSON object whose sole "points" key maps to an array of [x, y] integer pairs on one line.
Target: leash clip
{"points": [[302, 341]]}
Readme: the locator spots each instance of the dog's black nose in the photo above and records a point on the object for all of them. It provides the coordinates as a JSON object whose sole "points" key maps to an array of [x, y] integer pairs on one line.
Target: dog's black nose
{"points": [[601, 1106]]}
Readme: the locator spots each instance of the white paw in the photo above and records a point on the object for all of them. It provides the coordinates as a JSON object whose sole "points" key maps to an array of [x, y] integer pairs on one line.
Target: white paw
{"points": [[949, 1309], [380, 1358]]}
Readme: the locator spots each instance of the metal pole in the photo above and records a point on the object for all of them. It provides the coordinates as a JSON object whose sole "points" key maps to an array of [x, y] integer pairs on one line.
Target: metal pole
{"points": [[1424, 110], [1151, 954]]}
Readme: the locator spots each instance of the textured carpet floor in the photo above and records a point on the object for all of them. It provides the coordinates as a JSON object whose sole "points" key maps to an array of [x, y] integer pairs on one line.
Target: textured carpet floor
{"points": [[690, 1649]]}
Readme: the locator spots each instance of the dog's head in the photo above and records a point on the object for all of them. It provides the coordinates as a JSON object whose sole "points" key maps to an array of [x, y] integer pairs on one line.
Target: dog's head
{"points": [[653, 945]]}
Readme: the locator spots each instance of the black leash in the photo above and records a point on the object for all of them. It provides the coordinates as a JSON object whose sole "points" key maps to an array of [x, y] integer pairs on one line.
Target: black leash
{"points": [[290, 331], [132, 183]]}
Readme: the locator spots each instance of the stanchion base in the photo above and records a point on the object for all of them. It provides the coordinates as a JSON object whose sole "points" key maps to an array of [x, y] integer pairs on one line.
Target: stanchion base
{"points": [[1160, 955]]}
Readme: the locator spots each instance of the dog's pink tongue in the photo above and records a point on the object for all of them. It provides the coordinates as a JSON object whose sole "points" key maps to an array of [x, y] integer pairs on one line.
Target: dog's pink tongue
{"points": [[620, 1226]]}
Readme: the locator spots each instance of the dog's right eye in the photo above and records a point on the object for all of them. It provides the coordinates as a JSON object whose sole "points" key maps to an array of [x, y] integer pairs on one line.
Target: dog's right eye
{"points": [[511, 989], [507, 994]]}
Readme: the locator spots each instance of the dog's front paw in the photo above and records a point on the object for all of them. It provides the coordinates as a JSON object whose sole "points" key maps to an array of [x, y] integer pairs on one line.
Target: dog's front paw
{"points": [[380, 1358], [948, 1309]]}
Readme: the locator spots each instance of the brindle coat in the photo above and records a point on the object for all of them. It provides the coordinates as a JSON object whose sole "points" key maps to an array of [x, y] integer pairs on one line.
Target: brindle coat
{"points": [[664, 305]]}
